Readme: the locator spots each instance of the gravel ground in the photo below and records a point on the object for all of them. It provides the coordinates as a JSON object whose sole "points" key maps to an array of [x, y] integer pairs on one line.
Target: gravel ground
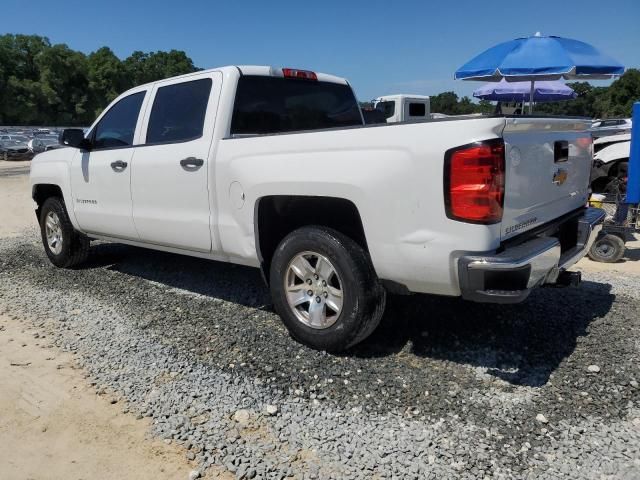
{"points": [[444, 389]]}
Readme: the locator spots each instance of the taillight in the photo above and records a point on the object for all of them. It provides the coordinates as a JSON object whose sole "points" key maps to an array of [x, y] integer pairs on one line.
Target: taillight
{"points": [[295, 73], [474, 182]]}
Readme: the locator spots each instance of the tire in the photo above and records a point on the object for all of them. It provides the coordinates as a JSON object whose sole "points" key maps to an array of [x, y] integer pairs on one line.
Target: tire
{"points": [[350, 283], [607, 249], [65, 247]]}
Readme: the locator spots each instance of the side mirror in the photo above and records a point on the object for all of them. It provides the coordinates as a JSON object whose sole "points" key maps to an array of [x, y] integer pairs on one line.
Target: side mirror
{"points": [[74, 137]]}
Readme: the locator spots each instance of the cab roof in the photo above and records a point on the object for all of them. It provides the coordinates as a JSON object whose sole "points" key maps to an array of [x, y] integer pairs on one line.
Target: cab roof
{"points": [[267, 71]]}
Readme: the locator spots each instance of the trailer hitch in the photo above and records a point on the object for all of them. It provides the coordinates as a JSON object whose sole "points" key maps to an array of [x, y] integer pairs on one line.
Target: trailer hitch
{"points": [[568, 279]]}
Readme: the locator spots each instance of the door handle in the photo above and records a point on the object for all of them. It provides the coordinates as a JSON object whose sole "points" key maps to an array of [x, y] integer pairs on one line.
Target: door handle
{"points": [[191, 163], [119, 165]]}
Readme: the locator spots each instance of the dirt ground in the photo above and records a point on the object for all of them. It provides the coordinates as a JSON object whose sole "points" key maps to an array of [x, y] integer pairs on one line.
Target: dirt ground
{"points": [[54, 426], [52, 423], [17, 207]]}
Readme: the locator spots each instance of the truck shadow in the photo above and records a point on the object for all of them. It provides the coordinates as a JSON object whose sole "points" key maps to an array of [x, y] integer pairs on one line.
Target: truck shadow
{"points": [[225, 281], [521, 344]]}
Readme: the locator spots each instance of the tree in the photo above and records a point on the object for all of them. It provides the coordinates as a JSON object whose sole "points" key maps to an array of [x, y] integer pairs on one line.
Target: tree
{"points": [[148, 67], [49, 84], [623, 93], [485, 107], [466, 106], [20, 92], [107, 77], [446, 103], [599, 102], [64, 85]]}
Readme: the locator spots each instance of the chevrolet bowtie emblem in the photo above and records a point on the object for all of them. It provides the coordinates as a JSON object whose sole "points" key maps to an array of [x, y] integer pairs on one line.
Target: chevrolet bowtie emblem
{"points": [[560, 176]]}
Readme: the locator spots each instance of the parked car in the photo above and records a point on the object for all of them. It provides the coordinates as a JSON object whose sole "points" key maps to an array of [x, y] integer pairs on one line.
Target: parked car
{"points": [[611, 126], [50, 142], [601, 143], [15, 137], [610, 166], [14, 150], [274, 168]]}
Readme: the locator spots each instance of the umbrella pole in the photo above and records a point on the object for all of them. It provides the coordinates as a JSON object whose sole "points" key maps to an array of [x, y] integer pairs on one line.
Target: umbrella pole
{"points": [[531, 97]]}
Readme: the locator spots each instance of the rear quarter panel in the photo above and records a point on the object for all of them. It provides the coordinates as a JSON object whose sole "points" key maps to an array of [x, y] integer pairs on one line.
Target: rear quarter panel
{"points": [[392, 173]]}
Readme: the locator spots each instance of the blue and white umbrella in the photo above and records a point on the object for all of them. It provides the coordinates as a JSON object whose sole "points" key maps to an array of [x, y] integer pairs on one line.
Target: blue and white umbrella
{"points": [[540, 58], [545, 91]]}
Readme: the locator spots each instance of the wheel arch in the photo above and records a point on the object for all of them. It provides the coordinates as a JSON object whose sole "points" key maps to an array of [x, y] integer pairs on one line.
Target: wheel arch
{"points": [[41, 191], [275, 216]]}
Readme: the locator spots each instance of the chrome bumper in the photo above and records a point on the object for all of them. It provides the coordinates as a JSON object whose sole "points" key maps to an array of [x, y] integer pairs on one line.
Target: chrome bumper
{"points": [[509, 276]]}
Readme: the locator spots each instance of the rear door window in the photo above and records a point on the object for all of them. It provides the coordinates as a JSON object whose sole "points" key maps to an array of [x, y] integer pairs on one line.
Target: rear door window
{"points": [[118, 126], [179, 111], [275, 104]]}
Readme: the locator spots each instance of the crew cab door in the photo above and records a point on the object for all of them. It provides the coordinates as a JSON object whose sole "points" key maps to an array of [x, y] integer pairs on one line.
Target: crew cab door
{"points": [[171, 167], [101, 177]]}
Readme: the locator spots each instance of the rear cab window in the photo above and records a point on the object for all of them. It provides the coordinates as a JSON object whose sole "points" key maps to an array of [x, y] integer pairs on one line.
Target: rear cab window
{"points": [[267, 105]]}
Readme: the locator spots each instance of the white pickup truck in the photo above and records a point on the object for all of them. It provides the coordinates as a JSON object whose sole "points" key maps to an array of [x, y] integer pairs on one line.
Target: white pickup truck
{"points": [[273, 168], [403, 107]]}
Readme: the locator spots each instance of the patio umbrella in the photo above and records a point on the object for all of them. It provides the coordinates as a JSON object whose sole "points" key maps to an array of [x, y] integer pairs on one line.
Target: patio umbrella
{"points": [[540, 58], [545, 91]]}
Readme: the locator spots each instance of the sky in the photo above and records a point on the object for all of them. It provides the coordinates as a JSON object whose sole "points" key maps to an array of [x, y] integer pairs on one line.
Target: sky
{"points": [[381, 47]]}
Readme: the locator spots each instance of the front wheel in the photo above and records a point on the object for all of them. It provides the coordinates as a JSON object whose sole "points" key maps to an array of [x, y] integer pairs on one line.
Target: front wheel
{"points": [[325, 289], [65, 247], [607, 249]]}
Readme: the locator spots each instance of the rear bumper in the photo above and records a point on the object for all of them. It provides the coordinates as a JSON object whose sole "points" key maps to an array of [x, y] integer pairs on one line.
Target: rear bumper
{"points": [[509, 276]]}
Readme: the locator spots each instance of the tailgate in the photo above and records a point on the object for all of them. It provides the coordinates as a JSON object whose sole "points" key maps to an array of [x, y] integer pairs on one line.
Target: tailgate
{"points": [[548, 163]]}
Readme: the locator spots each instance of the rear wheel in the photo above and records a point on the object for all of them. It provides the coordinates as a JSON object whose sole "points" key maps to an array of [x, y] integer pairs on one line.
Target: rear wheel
{"points": [[65, 247], [325, 289], [607, 249]]}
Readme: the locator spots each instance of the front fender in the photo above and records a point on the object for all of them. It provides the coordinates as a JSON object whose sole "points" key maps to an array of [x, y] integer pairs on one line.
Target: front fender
{"points": [[52, 168]]}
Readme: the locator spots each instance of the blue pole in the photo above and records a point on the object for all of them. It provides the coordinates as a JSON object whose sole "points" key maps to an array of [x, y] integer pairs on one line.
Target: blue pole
{"points": [[633, 181]]}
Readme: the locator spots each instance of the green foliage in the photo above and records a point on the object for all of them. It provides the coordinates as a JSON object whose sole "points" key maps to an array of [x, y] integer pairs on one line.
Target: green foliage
{"points": [[599, 102], [147, 67], [450, 104], [446, 102], [624, 92], [107, 77], [44, 84]]}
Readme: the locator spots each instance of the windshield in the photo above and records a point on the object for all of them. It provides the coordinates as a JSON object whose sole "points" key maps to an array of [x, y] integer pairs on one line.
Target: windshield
{"points": [[388, 108]]}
